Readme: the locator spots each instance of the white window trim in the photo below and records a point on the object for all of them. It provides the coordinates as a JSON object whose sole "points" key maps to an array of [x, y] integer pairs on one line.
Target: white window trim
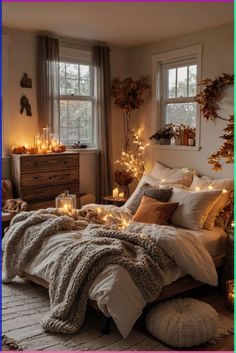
{"points": [[157, 61], [82, 56]]}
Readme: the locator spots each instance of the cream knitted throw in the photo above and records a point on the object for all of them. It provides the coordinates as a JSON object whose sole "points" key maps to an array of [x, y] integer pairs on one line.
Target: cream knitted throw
{"points": [[80, 263]]}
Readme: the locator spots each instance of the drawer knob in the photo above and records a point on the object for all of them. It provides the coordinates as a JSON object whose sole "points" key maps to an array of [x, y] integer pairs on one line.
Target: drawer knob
{"points": [[35, 177], [35, 164]]}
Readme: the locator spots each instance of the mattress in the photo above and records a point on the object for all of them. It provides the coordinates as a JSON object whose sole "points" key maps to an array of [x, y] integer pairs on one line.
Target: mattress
{"points": [[114, 290]]}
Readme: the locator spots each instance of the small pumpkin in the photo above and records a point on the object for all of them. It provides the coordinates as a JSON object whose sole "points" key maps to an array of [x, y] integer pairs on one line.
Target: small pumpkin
{"points": [[62, 147], [33, 150], [18, 149]]}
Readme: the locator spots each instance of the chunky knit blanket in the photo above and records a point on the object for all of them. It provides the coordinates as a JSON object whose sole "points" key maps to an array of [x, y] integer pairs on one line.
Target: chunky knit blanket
{"points": [[79, 264]]}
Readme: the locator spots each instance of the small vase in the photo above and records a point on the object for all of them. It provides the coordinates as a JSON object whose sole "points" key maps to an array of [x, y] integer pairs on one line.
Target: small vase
{"points": [[191, 142]]}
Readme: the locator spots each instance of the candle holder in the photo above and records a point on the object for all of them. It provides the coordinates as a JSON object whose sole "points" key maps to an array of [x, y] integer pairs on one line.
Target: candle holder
{"points": [[230, 294], [66, 203]]}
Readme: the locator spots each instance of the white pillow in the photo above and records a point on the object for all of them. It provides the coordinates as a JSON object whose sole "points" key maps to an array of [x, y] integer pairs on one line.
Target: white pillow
{"points": [[193, 208], [183, 175], [215, 184]]}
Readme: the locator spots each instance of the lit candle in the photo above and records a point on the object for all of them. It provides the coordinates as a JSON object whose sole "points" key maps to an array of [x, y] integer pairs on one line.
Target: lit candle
{"points": [[224, 191], [115, 192], [121, 194], [210, 187], [232, 224], [44, 148], [65, 208]]}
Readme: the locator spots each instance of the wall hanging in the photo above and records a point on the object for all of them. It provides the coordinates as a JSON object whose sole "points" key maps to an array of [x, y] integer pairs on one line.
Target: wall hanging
{"points": [[24, 102], [26, 82]]}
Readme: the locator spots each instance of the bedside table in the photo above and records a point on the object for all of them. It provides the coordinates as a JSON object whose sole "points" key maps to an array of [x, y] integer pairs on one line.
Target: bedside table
{"points": [[116, 201]]}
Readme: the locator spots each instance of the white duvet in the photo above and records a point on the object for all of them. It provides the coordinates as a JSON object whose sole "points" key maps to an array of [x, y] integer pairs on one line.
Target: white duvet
{"points": [[114, 289]]}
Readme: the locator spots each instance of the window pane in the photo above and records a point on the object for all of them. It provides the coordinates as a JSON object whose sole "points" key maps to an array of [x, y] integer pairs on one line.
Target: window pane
{"points": [[84, 88], [72, 87], [171, 93], [63, 114], [72, 71], [181, 113], [182, 81], [192, 80], [84, 72], [62, 72], [80, 122]]}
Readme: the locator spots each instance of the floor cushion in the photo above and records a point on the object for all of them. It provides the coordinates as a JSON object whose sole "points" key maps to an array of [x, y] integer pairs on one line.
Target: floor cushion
{"points": [[182, 322]]}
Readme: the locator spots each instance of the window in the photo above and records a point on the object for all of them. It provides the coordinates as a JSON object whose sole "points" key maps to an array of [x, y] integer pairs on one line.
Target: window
{"points": [[175, 77], [77, 103], [180, 83]]}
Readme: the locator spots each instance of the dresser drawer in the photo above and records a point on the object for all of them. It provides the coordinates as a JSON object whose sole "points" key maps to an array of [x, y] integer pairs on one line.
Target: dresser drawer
{"points": [[45, 193], [50, 178], [49, 162]]}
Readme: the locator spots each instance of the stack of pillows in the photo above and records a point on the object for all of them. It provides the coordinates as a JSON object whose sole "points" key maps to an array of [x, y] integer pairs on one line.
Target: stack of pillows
{"points": [[179, 197]]}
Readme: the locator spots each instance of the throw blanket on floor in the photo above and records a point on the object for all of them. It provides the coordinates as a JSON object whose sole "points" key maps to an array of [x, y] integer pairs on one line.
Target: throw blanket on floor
{"points": [[79, 264]]}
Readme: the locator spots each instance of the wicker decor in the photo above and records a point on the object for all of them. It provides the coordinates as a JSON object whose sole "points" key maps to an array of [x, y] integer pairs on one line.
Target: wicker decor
{"points": [[182, 322]]}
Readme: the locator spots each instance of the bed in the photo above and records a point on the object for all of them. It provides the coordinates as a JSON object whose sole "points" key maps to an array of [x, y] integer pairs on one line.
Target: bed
{"points": [[196, 253], [114, 292]]}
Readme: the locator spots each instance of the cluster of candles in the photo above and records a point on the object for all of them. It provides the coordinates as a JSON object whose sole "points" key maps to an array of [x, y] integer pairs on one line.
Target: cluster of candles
{"points": [[230, 294], [116, 193], [46, 142]]}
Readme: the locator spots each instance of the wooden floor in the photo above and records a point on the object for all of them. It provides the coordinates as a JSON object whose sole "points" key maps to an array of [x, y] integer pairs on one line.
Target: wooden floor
{"points": [[210, 295]]}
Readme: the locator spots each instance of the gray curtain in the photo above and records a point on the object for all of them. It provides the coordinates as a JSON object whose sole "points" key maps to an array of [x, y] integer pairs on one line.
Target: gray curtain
{"points": [[48, 82], [101, 55]]}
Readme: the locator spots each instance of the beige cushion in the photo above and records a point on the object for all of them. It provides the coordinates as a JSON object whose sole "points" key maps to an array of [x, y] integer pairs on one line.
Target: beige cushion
{"points": [[216, 184], [184, 176], [153, 211], [193, 208], [182, 322]]}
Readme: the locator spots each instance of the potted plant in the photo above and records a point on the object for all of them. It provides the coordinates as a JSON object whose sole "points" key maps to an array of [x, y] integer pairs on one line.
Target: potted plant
{"points": [[164, 135]]}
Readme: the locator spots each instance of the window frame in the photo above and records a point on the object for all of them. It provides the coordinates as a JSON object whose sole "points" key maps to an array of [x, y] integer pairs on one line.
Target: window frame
{"points": [[175, 58], [75, 56]]}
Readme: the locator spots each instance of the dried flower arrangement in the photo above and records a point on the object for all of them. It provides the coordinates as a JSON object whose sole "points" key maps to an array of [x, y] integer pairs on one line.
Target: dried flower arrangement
{"points": [[128, 95], [207, 100], [181, 134]]}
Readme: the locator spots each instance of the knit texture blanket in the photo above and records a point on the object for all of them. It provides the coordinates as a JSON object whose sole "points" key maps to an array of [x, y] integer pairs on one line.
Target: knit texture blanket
{"points": [[79, 264]]}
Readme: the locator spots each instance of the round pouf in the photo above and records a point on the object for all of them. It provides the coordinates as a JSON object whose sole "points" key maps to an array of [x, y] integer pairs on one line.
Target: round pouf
{"points": [[182, 322]]}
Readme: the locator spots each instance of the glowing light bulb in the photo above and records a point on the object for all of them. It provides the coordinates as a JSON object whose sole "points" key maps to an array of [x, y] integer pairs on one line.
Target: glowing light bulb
{"points": [[197, 188], [224, 191], [210, 187]]}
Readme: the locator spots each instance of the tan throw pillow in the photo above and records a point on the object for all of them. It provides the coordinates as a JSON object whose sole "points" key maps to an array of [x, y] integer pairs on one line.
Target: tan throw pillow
{"points": [[182, 176], [225, 185], [193, 208], [155, 212]]}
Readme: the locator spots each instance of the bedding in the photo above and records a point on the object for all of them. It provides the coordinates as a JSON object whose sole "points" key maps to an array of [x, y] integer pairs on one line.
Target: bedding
{"points": [[153, 211], [225, 185], [114, 290], [182, 176], [150, 191], [193, 208]]}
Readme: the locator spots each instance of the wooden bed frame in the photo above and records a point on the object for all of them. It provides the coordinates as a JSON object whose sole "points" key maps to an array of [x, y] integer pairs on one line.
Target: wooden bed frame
{"points": [[181, 285]]}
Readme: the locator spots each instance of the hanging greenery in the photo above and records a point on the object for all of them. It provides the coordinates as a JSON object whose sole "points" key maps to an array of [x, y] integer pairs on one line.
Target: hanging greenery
{"points": [[207, 100], [211, 93], [226, 151]]}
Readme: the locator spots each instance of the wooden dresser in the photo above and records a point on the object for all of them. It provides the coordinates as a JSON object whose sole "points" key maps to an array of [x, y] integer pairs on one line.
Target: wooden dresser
{"points": [[39, 178]]}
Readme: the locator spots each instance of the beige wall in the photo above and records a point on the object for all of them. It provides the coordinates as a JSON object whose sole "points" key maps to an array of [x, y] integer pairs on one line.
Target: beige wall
{"points": [[217, 58]]}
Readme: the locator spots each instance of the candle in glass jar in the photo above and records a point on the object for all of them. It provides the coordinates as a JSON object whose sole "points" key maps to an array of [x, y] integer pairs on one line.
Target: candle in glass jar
{"points": [[115, 192], [121, 194]]}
